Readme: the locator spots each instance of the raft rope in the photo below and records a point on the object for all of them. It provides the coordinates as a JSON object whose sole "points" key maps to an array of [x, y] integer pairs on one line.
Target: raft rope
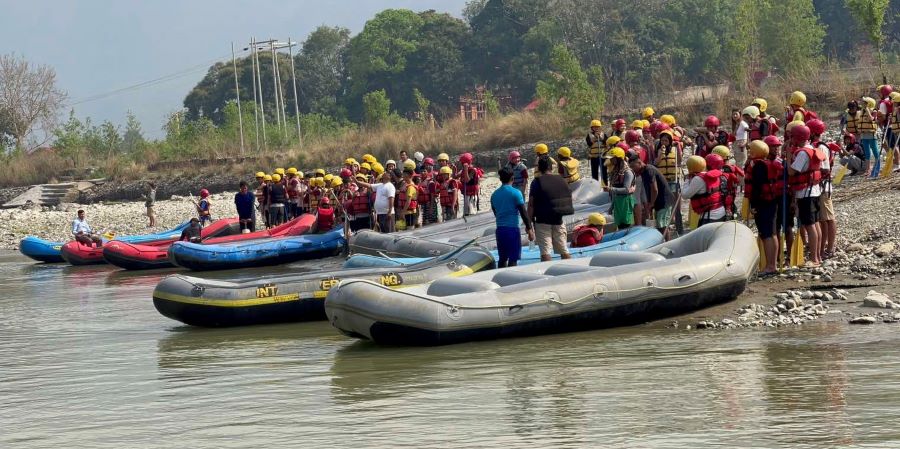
{"points": [[728, 262]]}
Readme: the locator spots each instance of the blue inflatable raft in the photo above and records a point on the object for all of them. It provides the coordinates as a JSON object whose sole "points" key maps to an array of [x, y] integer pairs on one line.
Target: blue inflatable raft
{"points": [[49, 251], [258, 252], [637, 238]]}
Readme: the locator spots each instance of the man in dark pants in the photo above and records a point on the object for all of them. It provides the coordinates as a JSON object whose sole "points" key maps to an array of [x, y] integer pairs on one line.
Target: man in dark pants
{"points": [[550, 199], [595, 139], [508, 204], [243, 202]]}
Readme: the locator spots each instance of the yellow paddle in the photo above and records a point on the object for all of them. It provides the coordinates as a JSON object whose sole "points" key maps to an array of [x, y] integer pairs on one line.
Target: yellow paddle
{"points": [[746, 214], [762, 254], [840, 175], [888, 165], [797, 259], [693, 219]]}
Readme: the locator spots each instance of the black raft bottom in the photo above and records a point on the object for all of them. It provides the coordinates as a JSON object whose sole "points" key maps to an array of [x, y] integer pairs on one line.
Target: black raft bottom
{"points": [[624, 315], [213, 316]]}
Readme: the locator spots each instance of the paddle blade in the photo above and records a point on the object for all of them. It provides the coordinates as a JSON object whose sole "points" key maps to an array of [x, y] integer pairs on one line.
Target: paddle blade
{"points": [[693, 219], [888, 164], [797, 248], [840, 175], [746, 215]]}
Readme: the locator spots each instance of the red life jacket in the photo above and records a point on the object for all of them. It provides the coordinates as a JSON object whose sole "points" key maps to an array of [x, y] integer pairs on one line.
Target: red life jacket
{"points": [[326, 219], [889, 107], [642, 153], [712, 199], [813, 173], [774, 186], [773, 125], [312, 197], [400, 199], [733, 169], [754, 132], [447, 191], [586, 235], [292, 192], [426, 194], [475, 174], [360, 204]]}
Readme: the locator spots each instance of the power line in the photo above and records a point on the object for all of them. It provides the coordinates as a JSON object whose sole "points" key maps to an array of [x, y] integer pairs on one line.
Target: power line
{"points": [[172, 76]]}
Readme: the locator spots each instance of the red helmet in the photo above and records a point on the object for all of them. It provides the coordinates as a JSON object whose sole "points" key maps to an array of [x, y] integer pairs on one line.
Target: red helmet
{"points": [[850, 137], [714, 162], [428, 161], [465, 158], [886, 90], [772, 141], [618, 123], [660, 127], [816, 127], [346, 173], [654, 127], [204, 193], [632, 136], [711, 121], [834, 147], [623, 146], [325, 201], [513, 155], [800, 134]]}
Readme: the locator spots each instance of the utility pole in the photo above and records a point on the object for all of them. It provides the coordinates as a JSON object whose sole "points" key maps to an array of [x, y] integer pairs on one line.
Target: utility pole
{"points": [[237, 93], [262, 110], [255, 106], [294, 82], [275, 47], [271, 43]]}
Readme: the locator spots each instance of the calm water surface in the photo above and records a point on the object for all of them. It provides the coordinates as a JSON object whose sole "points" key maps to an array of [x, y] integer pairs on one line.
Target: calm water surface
{"points": [[86, 361]]}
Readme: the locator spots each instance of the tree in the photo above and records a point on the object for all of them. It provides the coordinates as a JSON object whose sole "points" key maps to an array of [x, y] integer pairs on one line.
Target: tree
{"points": [[376, 108], [69, 139], [321, 70], [795, 50], [29, 99], [133, 137], [870, 14], [568, 84], [109, 135]]}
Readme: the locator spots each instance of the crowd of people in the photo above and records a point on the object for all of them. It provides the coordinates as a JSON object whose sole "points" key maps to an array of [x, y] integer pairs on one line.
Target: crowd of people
{"points": [[780, 166]]}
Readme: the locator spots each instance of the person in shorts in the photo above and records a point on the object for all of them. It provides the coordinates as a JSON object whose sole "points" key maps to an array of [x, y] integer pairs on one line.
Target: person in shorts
{"points": [[549, 201], [508, 205], [149, 202]]}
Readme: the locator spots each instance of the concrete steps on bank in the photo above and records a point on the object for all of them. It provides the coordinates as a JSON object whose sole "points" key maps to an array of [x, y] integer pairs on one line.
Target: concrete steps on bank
{"points": [[42, 195]]}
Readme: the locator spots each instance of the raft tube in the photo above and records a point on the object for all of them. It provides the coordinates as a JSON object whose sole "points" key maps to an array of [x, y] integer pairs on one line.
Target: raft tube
{"points": [[293, 297], [51, 252], [257, 253], [708, 266], [637, 238], [133, 256]]}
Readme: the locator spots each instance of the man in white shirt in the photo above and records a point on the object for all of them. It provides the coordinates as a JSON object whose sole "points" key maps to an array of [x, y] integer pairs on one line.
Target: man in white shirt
{"points": [[81, 230], [741, 134], [807, 197], [384, 202]]}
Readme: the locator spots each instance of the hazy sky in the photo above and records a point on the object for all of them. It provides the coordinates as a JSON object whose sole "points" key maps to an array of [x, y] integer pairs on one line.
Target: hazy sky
{"points": [[100, 46]]}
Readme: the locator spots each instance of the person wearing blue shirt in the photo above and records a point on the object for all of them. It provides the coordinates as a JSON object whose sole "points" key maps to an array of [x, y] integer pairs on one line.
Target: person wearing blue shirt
{"points": [[508, 205], [243, 202]]}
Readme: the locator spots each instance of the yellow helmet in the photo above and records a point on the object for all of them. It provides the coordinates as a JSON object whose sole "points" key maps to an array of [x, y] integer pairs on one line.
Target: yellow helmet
{"points": [[613, 141], [378, 168], [596, 123], [336, 181], [752, 111], [723, 151], [761, 103], [647, 112], [696, 164], [299, 174], [895, 97], [616, 153], [349, 161], [758, 149], [668, 119], [292, 171], [541, 148], [870, 102], [279, 171], [409, 164], [320, 172], [443, 157], [361, 177], [260, 174], [645, 123], [328, 177], [797, 98], [267, 177], [365, 165], [564, 152], [446, 170], [276, 177], [369, 158], [596, 219]]}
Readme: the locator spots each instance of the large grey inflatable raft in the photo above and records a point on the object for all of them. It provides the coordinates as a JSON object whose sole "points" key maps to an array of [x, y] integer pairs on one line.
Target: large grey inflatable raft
{"points": [[708, 266]]}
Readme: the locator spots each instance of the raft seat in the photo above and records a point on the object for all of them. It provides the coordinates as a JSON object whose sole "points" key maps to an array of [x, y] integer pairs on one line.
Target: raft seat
{"points": [[456, 286], [508, 277]]}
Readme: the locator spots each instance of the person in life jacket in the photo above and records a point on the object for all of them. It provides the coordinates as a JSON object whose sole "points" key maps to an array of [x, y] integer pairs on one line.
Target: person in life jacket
{"points": [[850, 119], [704, 189], [763, 105], [757, 127], [448, 193], [678, 132], [885, 105], [359, 206], [709, 136], [867, 128], [786, 212], [568, 166], [804, 179], [648, 114], [827, 222], [611, 143], [292, 187], [595, 139], [728, 185], [647, 134], [314, 193], [325, 215], [852, 155], [427, 197], [428, 168], [405, 203], [470, 177], [204, 208], [795, 111], [763, 190], [618, 128], [351, 164], [589, 234], [260, 193], [668, 159], [519, 171], [889, 107], [633, 140], [542, 151], [731, 165], [621, 187]]}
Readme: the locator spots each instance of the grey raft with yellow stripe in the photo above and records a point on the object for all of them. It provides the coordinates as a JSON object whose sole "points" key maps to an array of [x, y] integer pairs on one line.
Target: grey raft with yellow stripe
{"points": [[294, 297], [707, 266]]}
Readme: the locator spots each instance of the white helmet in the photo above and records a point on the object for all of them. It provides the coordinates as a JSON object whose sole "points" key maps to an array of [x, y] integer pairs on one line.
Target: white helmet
{"points": [[389, 162], [418, 156]]}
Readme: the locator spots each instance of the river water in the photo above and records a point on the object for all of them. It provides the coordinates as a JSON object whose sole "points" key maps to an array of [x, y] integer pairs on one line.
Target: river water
{"points": [[86, 361]]}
